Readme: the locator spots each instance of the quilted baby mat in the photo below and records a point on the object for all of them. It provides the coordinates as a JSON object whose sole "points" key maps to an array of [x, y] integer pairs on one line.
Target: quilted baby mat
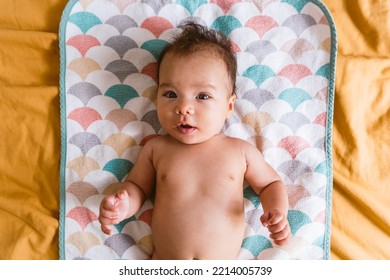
{"points": [[286, 52]]}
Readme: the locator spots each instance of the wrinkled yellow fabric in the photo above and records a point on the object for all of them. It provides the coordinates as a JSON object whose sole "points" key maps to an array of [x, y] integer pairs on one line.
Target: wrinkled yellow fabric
{"points": [[361, 131], [29, 128]]}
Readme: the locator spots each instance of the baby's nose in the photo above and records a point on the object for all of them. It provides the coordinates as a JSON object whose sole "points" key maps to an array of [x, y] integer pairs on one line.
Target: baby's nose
{"points": [[185, 109]]}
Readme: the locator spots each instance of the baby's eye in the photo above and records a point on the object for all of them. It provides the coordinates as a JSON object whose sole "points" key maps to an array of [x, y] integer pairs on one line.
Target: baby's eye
{"points": [[202, 96], [170, 94]]}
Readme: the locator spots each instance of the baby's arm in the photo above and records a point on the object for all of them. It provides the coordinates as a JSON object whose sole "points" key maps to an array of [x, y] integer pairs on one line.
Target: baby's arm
{"points": [[275, 205], [266, 182], [131, 194]]}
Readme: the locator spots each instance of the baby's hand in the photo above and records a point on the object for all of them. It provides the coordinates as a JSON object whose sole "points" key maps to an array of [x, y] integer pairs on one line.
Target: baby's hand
{"points": [[114, 208], [277, 225]]}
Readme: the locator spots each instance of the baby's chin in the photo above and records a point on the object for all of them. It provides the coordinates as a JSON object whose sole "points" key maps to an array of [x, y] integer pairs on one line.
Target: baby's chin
{"points": [[192, 140], [189, 141]]}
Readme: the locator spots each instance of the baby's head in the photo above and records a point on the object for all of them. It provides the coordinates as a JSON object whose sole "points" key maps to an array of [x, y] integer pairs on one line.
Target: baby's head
{"points": [[196, 84], [196, 38]]}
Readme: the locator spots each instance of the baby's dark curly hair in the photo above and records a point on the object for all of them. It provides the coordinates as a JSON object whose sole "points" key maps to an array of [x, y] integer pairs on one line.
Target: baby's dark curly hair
{"points": [[195, 38]]}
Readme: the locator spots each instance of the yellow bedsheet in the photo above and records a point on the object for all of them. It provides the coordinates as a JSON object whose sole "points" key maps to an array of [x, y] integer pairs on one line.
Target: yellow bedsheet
{"points": [[361, 131], [30, 129]]}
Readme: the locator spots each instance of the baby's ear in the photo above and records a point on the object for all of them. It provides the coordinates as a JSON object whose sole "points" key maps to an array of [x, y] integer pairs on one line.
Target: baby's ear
{"points": [[232, 100]]}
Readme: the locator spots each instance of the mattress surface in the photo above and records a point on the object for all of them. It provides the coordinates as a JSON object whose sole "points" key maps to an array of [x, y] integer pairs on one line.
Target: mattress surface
{"points": [[30, 129]]}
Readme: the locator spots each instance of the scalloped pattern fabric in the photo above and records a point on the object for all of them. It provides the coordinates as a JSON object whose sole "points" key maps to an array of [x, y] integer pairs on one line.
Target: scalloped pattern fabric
{"points": [[285, 52]]}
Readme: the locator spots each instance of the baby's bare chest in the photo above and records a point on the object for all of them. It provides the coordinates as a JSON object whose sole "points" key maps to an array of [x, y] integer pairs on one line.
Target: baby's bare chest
{"points": [[201, 166]]}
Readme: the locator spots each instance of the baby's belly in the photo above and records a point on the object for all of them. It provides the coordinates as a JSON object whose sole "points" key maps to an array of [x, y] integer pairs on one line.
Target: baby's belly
{"points": [[201, 230]]}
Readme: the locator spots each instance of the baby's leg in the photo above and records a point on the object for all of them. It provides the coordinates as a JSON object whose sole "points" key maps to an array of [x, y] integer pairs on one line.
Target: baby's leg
{"points": [[155, 256]]}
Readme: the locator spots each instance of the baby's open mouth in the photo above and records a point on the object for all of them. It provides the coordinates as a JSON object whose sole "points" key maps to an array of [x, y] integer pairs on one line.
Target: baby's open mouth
{"points": [[186, 128]]}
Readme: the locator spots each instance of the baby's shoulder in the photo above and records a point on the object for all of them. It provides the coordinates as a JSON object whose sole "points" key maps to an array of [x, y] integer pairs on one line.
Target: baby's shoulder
{"points": [[244, 146], [239, 142], [157, 142]]}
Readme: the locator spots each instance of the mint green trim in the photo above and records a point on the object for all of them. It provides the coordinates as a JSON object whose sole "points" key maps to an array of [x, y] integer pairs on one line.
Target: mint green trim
{"points": [[329, 125], [62, 45]]}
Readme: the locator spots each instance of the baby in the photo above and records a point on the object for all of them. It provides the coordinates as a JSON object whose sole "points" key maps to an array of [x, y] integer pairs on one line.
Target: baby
{"points": [[196, 171]]}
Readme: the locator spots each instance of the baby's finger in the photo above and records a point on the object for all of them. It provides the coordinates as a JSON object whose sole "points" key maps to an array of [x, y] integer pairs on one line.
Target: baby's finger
{"points": [[106, 229], [108, 214], [121, 194], [264, 219], [281, 235], [275, 218], [277, 227], [282, 242], [108, 204]]}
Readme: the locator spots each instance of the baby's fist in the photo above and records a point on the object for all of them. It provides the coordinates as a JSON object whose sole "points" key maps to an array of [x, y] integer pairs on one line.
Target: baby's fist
{"points": [[277, 225]]}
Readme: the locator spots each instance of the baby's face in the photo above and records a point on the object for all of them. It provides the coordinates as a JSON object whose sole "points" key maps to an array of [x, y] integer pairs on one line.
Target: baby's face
{"points": [[194, 97]]}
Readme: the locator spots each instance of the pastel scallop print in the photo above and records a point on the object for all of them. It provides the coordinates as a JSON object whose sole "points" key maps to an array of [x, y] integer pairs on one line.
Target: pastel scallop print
{"points": [[111, 50]]}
